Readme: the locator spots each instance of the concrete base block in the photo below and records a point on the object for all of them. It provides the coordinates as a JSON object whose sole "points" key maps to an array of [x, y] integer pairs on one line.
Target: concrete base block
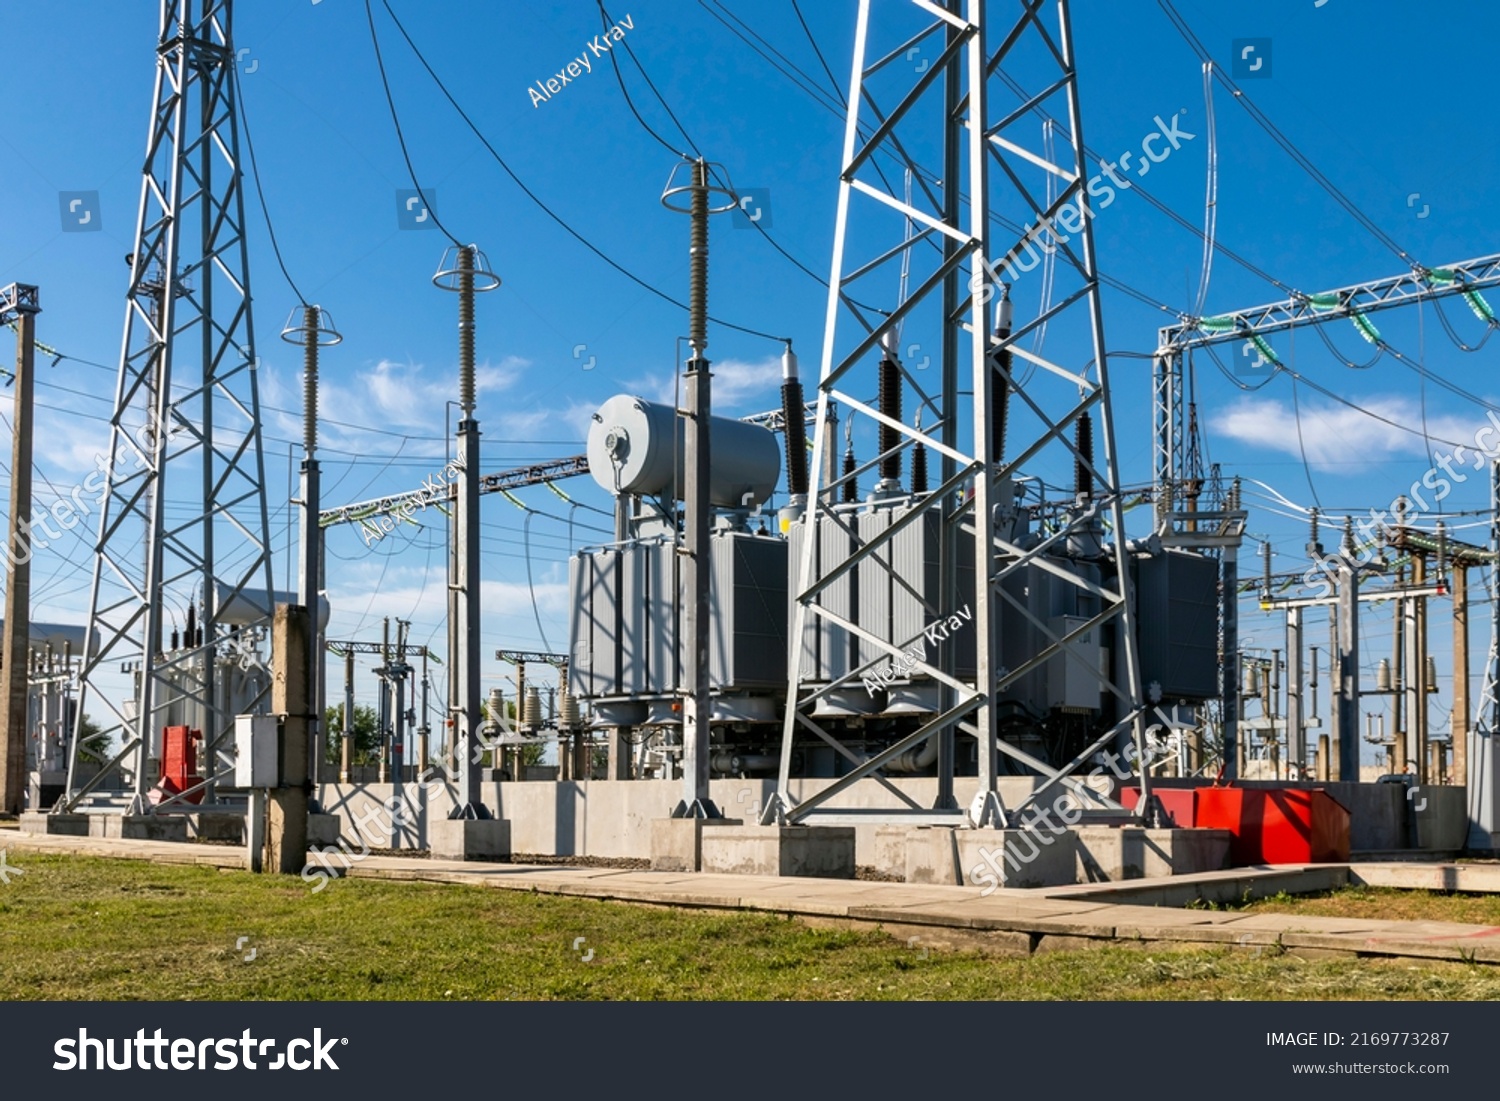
{"points": [[889, 850], [323, 829], [677, 843], [139, 827], [216, 827], [469, 838], [1108, 854], [826, 852], [72, 825], [991, 858]]}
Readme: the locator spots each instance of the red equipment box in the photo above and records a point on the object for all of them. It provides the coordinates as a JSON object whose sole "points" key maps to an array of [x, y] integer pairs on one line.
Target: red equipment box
{"points": [[1268, 825], [179, 760], [1277, 825]]}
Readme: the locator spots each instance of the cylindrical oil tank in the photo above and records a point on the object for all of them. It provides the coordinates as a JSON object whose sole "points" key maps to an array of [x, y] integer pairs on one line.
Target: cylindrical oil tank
{"points": [[630, 451], [250, 605]]}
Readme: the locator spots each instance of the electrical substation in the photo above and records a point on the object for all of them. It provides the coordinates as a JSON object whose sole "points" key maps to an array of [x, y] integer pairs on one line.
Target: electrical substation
{"points": [[913, 609]]}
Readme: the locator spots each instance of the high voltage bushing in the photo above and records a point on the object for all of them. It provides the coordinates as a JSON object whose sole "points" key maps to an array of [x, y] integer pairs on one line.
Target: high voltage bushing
{"points": [[1083, 477], [795, 425], [314, 330], [1000, 390], [888, 397]]}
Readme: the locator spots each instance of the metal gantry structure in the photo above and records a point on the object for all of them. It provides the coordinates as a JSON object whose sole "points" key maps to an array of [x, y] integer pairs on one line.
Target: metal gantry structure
{"points": [[1354, 303], [183, 521], [957, 266], [1177, 485]]}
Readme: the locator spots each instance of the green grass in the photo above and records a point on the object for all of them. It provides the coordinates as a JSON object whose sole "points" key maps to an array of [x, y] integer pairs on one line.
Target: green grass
{"points": [[1386, 904], [86, 928]]}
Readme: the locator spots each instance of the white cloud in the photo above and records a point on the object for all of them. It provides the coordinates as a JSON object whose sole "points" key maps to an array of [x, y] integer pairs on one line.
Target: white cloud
{"points": [[739, 387], [1336, 435]]}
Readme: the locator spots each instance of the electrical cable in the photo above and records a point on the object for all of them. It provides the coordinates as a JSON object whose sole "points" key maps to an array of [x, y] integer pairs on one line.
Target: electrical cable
{"points": [[396, 121], [810, 88], [547, 210], [1211, 197], [1301, 446], [813, 42], [1489, 330], [260, 194], [530, 585], [1380, 350], [1283, 141], [619, 77]]}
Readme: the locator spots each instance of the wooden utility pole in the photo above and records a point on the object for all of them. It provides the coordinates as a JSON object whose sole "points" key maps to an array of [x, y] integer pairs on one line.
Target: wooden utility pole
{"points": [[19, 303]]}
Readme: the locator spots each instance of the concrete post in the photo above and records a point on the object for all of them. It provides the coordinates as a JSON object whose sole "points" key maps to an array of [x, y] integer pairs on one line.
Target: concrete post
{"points": [[1460, 722], [1229, 671], [22, 303], [1346, 703], [286, 811], [1296, 736]]}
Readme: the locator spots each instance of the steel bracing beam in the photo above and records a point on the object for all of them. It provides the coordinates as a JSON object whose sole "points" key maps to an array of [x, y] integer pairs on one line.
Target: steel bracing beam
{"points": [[1353, 303], [441, 493], [992, 163], [183, 520]]}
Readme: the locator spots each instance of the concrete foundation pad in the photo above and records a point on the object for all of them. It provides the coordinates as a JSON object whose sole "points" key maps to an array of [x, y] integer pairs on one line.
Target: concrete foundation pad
{"points": [[991, 858], [469, 838], [825, 852], [139, 827], [216, 827], [38, 822], [322, 829], [1113, 853], [677, 843]]}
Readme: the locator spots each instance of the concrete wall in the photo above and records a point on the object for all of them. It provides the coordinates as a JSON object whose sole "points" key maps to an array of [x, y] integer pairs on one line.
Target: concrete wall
{"points": [[612, 818]]}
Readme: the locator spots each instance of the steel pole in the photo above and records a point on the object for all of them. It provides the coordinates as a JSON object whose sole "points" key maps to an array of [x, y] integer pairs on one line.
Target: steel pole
{"points": [[464, 593], [696, 802]]}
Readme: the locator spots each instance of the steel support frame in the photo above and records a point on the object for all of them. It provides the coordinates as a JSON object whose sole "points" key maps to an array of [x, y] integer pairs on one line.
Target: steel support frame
{"points": [[1358, 299], [961, 74], [190, 298]]}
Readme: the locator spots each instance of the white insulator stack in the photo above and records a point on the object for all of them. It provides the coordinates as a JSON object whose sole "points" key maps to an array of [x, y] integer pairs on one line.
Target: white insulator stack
{"points": [[531, 716]]}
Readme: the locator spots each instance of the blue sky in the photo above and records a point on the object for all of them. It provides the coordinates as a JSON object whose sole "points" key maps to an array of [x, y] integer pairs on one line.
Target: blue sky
{"points": [[1384, 101]]}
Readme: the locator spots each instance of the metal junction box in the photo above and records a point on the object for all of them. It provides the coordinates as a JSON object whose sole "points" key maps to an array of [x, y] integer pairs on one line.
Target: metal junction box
{"points": [[255, 751]]}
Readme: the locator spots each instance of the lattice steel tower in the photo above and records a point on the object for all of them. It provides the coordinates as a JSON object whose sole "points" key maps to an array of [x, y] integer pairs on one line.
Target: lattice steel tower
{"points": [[183, 526], [935, 181]]}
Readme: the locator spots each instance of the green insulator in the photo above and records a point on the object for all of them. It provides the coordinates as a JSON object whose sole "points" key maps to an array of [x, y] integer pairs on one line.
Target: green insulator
{"points": [[1441, 276], [1264, 348], [1326, 301], [1217, 324], [1366, 328], [1480, 307]]}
